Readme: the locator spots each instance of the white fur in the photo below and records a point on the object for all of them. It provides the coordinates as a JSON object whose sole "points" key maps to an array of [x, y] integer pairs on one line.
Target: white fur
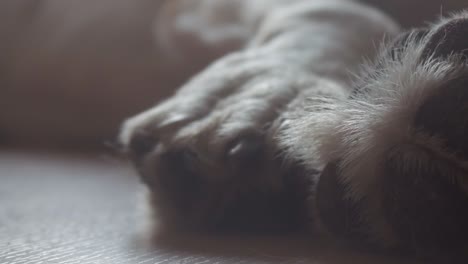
{"points": [[361, 131]]}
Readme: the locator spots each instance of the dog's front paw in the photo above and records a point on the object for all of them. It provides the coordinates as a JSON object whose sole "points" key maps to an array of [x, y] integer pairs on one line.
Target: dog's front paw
{"points": [[207, 153], [396, 151]]}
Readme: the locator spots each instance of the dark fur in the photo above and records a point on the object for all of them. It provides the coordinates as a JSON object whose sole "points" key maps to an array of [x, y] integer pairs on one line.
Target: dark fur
{"points": [[423, 201], [424, 207]]}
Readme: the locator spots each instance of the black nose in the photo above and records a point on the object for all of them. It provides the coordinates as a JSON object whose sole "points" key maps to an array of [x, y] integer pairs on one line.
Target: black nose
{"points": [[141, 144]]}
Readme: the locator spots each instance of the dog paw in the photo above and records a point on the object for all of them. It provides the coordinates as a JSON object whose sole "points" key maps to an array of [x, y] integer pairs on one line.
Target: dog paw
{"points": [[395, 153], [208, 155]]}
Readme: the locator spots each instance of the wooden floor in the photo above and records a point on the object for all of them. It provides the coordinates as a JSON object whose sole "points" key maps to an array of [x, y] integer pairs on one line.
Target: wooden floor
{"points": [[62, 208]]}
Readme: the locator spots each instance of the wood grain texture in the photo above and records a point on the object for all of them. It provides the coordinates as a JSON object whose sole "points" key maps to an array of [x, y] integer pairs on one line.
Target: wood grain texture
{"points": [[75, 209]]}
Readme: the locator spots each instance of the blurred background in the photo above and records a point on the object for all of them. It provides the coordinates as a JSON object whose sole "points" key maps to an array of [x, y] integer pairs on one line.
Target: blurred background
{"points": [[72, 70]]}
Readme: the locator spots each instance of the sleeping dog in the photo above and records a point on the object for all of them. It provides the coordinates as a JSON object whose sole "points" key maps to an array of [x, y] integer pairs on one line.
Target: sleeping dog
{"points": [[329, 119]]}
